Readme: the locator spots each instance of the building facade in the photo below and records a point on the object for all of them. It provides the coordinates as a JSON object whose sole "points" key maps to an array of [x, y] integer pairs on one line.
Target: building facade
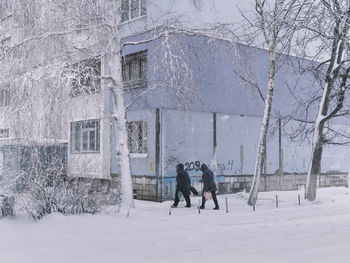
{"points": [[198, 112]]}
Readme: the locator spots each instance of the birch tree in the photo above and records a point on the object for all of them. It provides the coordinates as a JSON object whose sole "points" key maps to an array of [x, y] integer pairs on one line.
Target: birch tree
{"points": [[327, 29], [84, 29], [275, 23]]}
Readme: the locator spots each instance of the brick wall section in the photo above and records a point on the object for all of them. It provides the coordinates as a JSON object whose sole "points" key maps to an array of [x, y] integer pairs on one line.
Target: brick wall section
{"points": [[145, 186], [280, 182]]}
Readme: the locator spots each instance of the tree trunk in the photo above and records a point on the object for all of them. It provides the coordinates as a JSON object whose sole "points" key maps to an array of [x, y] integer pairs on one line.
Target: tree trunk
{"points": [[314, 171], [263, 133], [121, 132], [119, 117], [315, 165]]}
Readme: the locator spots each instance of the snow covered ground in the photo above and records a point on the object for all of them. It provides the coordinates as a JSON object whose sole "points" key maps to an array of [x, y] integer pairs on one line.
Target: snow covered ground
{"points": [[314, 232]]}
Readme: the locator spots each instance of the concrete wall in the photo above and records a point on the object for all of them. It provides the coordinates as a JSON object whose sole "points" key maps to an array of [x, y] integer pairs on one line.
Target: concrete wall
{"points": [[141, 164], [189, 137], [88, 164]]}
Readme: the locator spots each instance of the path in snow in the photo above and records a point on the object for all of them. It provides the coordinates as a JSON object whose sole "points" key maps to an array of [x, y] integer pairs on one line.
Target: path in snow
{"points": [[315, 232]]}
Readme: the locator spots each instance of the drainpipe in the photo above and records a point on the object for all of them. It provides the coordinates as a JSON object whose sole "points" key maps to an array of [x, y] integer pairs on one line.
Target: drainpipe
{"points": [[157, 158]]}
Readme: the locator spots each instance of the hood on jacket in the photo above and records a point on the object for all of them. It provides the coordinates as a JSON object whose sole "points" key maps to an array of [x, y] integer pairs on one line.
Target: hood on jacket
{"points": [[179, 167], [204, 167]]}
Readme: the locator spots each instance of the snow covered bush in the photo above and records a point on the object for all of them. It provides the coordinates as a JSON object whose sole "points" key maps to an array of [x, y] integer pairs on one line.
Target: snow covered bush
{"points": [[41, 186]]}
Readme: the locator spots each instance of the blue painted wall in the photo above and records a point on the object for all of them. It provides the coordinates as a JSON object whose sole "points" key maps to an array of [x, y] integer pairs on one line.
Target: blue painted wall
{"points": [[187, 136], [216, 86]]}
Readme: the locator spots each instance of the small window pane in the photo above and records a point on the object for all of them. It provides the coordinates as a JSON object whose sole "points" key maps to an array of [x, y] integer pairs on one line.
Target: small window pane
{"points": [[143, 7], [97, 136], [2, 98], [7, 98], [135, 12], [86, 77], [137, 136], [92, 141], [85, 140], [143, 68], [125, 10], [77, 137], [135, 70]]}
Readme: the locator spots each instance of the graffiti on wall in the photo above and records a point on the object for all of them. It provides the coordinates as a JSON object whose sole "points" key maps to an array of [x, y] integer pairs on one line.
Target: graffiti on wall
{"points": [[190, 166], [229, 166]]}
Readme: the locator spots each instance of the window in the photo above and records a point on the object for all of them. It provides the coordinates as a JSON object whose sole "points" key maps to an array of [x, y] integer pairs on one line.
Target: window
{"points": [[5, 8], [4, 133], [5, 44], [134, 69], [132, 9], [4, 97], [137, 131], [86, 77], [85, 136]]}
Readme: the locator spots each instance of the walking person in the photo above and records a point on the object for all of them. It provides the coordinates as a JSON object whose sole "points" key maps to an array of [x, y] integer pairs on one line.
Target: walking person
{"points": [[182, 185], [208, 185]]}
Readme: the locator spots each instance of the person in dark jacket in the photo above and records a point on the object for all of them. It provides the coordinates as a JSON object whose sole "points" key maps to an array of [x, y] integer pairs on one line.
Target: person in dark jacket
{"points": [[182, 185], [208, 185]]}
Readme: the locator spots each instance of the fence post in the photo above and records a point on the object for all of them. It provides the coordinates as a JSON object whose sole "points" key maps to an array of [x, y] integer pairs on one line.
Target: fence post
{"points": [[128, 214], [171, 190]]}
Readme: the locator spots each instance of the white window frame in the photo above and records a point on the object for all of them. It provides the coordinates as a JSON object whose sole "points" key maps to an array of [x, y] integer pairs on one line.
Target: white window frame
{"points": [[140, 15], [5, 97], [142, 143], [82, 132], [4, 133]]}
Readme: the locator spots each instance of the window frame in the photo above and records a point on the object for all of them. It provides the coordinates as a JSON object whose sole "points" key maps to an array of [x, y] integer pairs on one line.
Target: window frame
{"points": [[5, 98], [139, 60], [82, 85], [142, 139], [74, 128], [142, 10], [4, 133]]}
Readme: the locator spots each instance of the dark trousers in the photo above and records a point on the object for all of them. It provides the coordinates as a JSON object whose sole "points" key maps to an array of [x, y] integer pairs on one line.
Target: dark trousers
{"points": [[213, 195], [177, 200]]}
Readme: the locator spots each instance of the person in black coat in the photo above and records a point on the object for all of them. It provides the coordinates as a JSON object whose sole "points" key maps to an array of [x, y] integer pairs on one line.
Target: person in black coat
{"points": [[208, 185], [182, 185]]}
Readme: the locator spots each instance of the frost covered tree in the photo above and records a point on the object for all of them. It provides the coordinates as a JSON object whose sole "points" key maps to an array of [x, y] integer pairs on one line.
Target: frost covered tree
{"points": [[326, 30], [274, 22], [55, 36]]}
